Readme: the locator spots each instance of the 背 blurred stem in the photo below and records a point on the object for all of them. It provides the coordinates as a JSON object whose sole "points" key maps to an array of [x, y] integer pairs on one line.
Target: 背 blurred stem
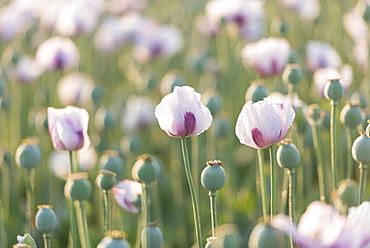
{"points": [[292, 186], [333, 142], [106, 202], [145, 212], [82, 224], [72, 210], [30, 183], [3, 239], [362, 187], [73, 159], [273, 180], [319, 159], [261, 163], [212, 198], [350, 160], [192, 192], [47, 240]]}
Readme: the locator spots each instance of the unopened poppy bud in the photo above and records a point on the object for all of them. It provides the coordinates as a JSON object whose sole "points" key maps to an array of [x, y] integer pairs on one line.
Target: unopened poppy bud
{"points": [[292, 74], [348, 193], [287, 155], [351, 115], [46, 220], [146, 169], [111, 161], [213, 176], [106, 179], [361, 149], [214, 242], [26, 240], [28, 154], [265, 236], [78, 187], [333, 90], [114, 239], [256, 91], [154, 236]]}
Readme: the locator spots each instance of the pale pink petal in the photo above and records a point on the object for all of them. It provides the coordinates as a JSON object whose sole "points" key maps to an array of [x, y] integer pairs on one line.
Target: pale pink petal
{"points": [[126, 194]]}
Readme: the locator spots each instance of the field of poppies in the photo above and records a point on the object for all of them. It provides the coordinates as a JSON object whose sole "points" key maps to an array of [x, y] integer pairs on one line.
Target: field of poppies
{"points": [[174, 124]]}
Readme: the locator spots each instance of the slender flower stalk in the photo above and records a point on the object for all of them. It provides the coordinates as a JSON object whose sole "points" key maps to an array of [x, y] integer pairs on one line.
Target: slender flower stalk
{"points": [[349, 157], [3, 239], [273, 180], [72, 212], [30, 186], [106, 206], [47, 240], [363, 176], [145, 210], [82, 224], [292, 176], [192, 192], [261, 163]]}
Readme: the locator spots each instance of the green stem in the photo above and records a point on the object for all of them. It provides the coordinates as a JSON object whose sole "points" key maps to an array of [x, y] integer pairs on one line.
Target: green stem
{"points": [[291, 174], [82, 224], [363, 171], [145, 210], [72, 224], [106, 202], [333, 143], [319, 159], [192, 192], [47, 240], [261, 163], [30, 178], [212, 197], [273, 181], [349, 155], [3, 239]]}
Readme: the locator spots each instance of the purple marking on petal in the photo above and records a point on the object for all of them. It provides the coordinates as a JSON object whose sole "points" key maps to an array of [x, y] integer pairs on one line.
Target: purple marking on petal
{"points": [[189, 123], [59, 60], [258, 138]]}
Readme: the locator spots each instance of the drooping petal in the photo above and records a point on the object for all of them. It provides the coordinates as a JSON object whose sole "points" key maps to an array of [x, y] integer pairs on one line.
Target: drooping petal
{"points": [[126, 194], [181, 114]]}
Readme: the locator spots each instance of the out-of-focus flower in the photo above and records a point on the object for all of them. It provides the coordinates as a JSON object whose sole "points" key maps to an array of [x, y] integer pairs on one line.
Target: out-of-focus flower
{"points": [[320, 54], [59, 162], [120, 7], [264, 123], [322, 75], [360, 52], [27, 240], [138, 114], [322, 226], [161, 42], [181, 113], [170, 81], [27, 69], [280, 97], [16, 17], [58, 53], [68, 128], [72, 21], [49, 14], [127, 194], [355, 26], [75, 89], [247, 16], [267, 56], [306, 9], [205, 26]]}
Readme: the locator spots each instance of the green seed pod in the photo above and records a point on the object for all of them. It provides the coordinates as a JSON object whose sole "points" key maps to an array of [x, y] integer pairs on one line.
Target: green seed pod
{"points": [[348, 193], [146, 169], [28, 154], [265, 236], [154, 236], [98, 94], [131, 143], [288, 155], [213, 176], [367, 131], [78, 187], [360, 99], [106, 179], [214, 242], [104, 119], [111, 161], [351, 115], [256, 91], [46, 220], [292, 74], [222, 127], [114, 239], [361, 149], [214, 104], [333, 90], [314, 115]]}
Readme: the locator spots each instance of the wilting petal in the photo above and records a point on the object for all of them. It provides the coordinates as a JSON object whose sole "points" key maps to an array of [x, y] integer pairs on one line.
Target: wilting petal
{"points": [[68, 128], [181, 113], [126, 194], [263, 123]]}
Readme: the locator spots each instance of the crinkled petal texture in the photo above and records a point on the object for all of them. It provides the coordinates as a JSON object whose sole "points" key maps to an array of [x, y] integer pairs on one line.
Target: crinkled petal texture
{"points": [[68, 128], [126, 194], [263, 123], [181, 113]]}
